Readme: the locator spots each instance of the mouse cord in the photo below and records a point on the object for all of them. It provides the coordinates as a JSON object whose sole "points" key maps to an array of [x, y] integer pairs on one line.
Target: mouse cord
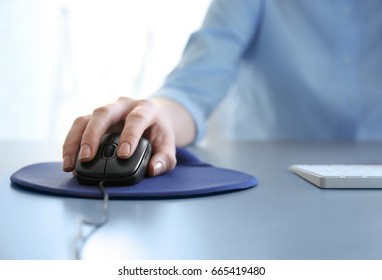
{"points": [[82, 237]]}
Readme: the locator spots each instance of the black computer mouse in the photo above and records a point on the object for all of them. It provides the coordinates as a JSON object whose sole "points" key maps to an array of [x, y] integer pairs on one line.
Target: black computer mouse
{"points": [[112, 170]]}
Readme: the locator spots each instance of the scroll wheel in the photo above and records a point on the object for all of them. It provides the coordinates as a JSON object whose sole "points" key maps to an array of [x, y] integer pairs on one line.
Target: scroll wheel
{"points": [[109, 151]]}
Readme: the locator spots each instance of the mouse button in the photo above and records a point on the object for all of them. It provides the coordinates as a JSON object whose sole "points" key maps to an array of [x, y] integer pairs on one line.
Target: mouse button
{"points": [[117, 167], [142, 146], [93, 168], [138, 156], [109, 151]]}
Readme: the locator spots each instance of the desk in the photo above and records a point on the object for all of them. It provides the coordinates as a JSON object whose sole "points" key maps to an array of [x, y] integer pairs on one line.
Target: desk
{"points": [[284, 217]]}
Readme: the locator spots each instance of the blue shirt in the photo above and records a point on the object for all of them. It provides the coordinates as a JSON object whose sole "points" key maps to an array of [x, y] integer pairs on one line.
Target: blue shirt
{"points": [[295, 69]]}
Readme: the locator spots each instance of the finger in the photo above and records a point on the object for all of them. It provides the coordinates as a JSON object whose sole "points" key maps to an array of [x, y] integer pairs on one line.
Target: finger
{"points": [[164, 153], [140, 118], [72, 142], [102, 119], [162, 162]]}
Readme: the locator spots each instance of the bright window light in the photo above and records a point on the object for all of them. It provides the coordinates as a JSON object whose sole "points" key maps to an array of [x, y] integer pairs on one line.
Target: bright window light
{"points": [[61, 59]]}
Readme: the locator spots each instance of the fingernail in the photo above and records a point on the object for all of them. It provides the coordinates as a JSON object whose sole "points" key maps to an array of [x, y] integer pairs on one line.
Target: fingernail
{"points": [[85, 151], [66, 163], [158, 168], [124, 149]]}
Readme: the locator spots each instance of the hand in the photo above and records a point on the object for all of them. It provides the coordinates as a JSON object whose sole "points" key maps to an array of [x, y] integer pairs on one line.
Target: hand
{"points": [[134, 119]]}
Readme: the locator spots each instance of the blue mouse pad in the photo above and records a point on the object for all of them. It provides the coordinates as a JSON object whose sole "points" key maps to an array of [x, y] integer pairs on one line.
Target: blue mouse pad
{"points": [[191, 177]]}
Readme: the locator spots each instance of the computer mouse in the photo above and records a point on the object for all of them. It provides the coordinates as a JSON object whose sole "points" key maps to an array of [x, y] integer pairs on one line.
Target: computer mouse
{"points": [[112, 170]]}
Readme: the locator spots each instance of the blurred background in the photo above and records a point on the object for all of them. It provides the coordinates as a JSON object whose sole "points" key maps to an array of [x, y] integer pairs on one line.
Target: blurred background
{"points": [[63, 58]]}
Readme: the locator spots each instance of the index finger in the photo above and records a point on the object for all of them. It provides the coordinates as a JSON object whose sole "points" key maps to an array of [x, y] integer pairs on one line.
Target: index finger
{"points": [[101, 120], [72, 142]]}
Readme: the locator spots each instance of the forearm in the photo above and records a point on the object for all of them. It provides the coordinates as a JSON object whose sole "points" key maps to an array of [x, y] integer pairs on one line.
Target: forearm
{"points": [[181, 120]]}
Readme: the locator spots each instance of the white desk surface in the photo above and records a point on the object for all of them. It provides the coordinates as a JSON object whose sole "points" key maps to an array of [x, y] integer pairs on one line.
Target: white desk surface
{"points": [[284, 217]]}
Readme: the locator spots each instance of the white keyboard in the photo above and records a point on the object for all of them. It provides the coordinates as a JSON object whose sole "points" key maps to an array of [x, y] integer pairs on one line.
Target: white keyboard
{"points": [[341, 176]]}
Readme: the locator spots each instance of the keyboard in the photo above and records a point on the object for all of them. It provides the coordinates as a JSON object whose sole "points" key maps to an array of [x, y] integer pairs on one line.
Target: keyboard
{"points": [[341, 176]]}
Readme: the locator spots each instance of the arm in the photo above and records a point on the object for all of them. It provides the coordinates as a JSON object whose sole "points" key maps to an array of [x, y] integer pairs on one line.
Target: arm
{"points": [[211, 58], [175, 115]]}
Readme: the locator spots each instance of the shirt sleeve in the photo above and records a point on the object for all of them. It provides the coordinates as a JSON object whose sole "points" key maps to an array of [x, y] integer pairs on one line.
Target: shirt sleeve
{"points": [[211, 58]]}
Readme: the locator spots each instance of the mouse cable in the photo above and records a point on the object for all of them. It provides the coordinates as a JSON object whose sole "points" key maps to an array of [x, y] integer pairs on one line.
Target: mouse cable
{"points": [[82, 238]]}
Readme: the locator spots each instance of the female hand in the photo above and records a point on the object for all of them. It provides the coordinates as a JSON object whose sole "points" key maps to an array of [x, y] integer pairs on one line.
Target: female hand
{"points": [[134, 119]]}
